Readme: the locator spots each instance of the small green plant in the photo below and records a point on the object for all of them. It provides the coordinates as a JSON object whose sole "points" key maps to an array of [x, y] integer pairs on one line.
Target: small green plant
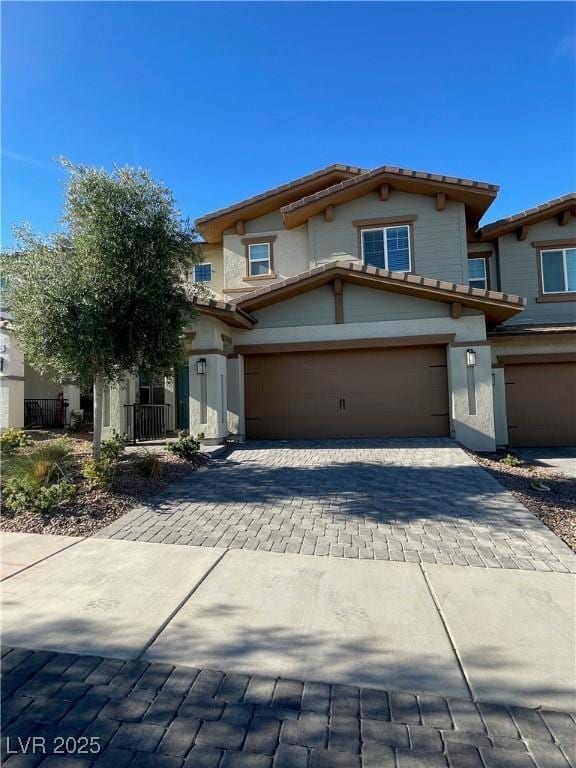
{"points": [[98, 473], [185, 447], [511, 461], [20, 496], [112, 448], [13, 439], [150, 466], [48, 464]]}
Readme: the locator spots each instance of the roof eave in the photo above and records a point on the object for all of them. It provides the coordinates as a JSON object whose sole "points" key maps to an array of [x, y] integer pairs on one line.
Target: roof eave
{"points": [[476, 196], [526, 219], [213, 225], [232, 315], [497, 307]]}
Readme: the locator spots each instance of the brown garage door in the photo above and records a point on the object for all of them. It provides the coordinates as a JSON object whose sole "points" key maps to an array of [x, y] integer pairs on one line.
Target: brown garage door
{"points": [[541, 403], [349, 393]]}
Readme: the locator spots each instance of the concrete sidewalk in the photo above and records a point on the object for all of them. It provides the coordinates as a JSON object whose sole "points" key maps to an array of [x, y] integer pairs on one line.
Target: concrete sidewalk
{"points": [[500, 636]]}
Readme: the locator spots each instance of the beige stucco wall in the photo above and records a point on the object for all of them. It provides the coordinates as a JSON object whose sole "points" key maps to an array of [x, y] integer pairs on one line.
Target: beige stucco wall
{"points": [[290, 253], [500, 415], [40, 386], [440, 247], [474, 430], [519, 272], [466, 328], [537, 345], [312, 308], [215, 257], [11, 382], [363, 304], [360, 305]]}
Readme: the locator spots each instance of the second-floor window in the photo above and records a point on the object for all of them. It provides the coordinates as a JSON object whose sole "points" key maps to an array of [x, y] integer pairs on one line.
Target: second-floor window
{"points": [[387, 248], [558, 270], [258, 259], [477, 275], [203, 273]]}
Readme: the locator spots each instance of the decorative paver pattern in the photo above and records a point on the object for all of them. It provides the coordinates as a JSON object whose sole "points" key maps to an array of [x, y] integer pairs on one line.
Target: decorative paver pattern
{"points": [[158, 715], [407, 500], [162, 716]]}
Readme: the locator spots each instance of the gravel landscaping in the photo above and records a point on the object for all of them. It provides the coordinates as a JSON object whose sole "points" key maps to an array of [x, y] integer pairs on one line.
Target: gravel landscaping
{"points": [[548, 494], [93, 509]]}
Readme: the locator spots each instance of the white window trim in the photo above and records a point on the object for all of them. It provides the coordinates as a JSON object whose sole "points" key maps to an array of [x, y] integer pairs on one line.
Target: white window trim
{"points": [[384, 229], [476, 279], [564, 267], [203, 264], [251, 261]]}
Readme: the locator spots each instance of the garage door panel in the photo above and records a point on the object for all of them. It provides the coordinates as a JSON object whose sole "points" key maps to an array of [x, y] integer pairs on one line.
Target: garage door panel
{"points": [[349, 393], [541, 404]]}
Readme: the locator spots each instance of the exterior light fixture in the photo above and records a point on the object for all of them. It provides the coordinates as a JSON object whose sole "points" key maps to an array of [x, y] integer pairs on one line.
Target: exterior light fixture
{"points": [[470, 358], [201, 366]]}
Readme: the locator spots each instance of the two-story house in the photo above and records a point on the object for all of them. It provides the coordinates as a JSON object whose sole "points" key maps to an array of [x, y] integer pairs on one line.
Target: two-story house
{"points": [[367, 303]]}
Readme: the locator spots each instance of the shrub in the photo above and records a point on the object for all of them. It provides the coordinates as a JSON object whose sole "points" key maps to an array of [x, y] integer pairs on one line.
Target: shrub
{"points": [[186, 446], [150, 466], [99, 473], [19, 495], [511, 461], [47, 464], [112, 448], [13, 439]]}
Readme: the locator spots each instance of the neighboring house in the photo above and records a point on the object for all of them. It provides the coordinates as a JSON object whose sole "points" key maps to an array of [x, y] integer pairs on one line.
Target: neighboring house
{"points": [[28, 399], [357, 303]]}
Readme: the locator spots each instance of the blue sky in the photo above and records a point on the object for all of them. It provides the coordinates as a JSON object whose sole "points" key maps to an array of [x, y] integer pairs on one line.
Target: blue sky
{"points": [[223, 100]]}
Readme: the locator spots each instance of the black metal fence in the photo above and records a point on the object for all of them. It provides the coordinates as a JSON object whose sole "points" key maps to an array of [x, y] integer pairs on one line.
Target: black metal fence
{"points": [[44, 413], [146, 422]]}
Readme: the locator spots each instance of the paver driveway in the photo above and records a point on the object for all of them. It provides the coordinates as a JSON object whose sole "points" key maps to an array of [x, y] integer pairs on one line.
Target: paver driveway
{"points": [[419, 500]]}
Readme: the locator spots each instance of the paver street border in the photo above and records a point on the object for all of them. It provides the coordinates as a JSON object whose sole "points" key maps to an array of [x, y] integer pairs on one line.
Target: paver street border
{"points": [[184, 717]]}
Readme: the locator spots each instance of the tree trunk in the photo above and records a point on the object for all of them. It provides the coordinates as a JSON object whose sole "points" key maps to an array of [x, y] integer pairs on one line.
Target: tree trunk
{"points": [[98, 414]]}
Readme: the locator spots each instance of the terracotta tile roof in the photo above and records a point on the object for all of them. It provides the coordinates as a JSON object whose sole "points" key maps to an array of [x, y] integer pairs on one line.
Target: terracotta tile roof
{"points": [[394, 171], [529, 216], [328, 170], [230, 313], [406, 278]]}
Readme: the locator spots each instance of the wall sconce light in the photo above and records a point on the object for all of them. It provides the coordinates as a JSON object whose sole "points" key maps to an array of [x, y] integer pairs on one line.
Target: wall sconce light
{"points": [[470, 358], [201, 366]]}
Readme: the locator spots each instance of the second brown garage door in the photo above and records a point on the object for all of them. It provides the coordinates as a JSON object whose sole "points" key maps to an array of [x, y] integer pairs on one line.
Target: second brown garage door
{"points": [[541, 404], [348, 393]]}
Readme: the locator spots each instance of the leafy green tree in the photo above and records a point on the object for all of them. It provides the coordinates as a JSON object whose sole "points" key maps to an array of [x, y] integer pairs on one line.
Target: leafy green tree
{"points": [[108, 295]]}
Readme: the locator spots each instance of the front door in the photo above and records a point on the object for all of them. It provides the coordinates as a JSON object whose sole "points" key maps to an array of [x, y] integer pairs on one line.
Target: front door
{"points": [[182, 397]]}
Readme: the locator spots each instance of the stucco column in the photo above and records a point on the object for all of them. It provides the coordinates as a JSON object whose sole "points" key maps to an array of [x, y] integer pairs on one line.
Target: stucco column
{"points": [[500, 416], [71, 393], [11, 382], [235, 365], [208, 397], [471, 397]]}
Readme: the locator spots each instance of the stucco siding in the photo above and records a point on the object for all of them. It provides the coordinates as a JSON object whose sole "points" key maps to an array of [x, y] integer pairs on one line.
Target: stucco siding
{"points": [[534, 346], [466, 328], [439, 236], [312, 308], [290, 256], [519, 272], [215, 257], [369, 304]]}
